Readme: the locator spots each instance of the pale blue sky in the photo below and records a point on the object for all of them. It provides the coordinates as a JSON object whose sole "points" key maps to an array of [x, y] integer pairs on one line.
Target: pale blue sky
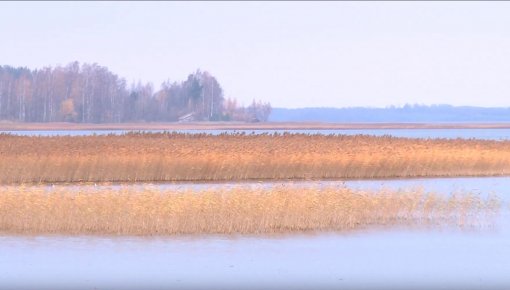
{"points": [[293, 54]]}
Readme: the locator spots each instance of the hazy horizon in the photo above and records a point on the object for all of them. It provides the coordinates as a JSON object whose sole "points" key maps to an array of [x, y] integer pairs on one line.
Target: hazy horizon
{"points": [[292, 54]]}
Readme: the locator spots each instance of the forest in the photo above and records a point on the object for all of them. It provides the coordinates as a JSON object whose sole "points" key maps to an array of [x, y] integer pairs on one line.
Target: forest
{"points": [[90, 93]]}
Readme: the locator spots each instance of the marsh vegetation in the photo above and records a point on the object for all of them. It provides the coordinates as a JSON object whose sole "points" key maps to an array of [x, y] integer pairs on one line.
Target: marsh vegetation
{"points": [[142, 157], [238, 210]]}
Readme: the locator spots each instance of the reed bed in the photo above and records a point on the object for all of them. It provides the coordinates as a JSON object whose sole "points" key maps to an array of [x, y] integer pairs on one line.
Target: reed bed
{"points": [[201, 157], [239, 210]]}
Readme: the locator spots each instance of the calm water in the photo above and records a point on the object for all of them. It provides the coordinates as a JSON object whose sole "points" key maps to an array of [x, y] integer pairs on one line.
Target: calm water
{"points": [[378, 259], [488, 134]]}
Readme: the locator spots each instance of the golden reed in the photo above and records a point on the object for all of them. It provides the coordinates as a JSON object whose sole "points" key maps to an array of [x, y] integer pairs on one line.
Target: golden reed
{"points": [[239, 210], [183, 157]]}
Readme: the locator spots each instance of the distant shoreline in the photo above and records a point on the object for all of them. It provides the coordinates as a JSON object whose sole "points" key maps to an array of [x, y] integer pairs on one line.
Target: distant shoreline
{"points": [[13, 126]]}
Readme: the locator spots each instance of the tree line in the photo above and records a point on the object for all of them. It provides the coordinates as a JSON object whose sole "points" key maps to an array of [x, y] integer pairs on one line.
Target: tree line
{"points": [[90, 93]]}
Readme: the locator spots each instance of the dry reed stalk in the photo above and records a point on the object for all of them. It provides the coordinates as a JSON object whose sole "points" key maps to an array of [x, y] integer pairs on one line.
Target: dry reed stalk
{"points": [[202, 157], [243, 210]]}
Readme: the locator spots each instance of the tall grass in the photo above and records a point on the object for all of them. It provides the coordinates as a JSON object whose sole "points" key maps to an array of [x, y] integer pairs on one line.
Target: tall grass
{"points": [[245, 210], [202, 157]]}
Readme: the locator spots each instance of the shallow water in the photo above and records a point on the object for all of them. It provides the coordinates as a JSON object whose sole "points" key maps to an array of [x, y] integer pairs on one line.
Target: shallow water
{"points": [[487, 134], [445, 258], [397, 259]]}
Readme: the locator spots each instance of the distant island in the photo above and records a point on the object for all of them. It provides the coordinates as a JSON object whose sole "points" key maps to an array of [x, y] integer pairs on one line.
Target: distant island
{"points": [[90, 93]]}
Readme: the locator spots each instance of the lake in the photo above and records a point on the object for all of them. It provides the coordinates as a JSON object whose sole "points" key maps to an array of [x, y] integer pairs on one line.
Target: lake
{"points": [[487, 134], [476, 258], [434, 258]]}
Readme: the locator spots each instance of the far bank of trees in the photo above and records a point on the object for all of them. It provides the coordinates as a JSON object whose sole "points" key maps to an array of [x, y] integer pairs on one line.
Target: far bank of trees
{"points": [[90, 93]]}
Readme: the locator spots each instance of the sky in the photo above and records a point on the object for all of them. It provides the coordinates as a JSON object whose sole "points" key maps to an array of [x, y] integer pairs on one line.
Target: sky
{"points": [[291, 54]]}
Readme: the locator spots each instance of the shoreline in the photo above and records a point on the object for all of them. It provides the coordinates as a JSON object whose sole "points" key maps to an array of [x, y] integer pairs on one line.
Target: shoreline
{"points": [[61, 126]]}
